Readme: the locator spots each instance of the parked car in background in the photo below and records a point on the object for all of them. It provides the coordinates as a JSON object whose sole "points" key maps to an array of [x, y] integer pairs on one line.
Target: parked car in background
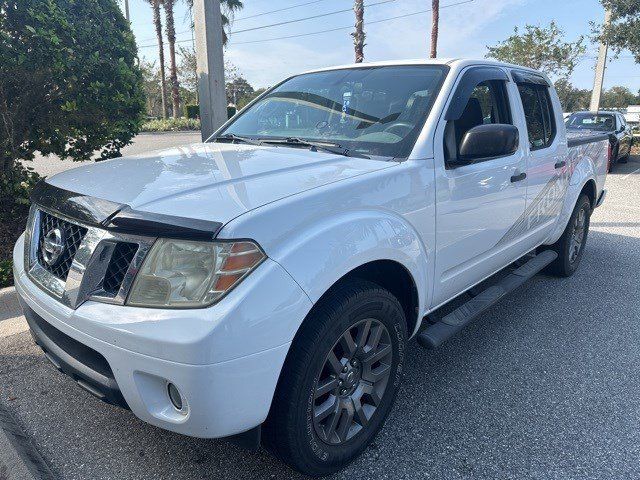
{"points": [[613, 123], [633, 114], [263, 285]]}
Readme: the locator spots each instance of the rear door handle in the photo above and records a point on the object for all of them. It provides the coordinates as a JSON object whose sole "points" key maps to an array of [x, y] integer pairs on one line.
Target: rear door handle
{"points": [[560, 164], [518, 178]]}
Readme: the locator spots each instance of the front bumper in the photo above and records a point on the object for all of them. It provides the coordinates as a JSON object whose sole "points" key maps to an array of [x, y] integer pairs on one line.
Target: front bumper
{"points": [[227, 385]]}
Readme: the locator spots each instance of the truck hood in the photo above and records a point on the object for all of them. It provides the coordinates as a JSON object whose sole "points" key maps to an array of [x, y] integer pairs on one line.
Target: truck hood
{"points": [[212, 181]]}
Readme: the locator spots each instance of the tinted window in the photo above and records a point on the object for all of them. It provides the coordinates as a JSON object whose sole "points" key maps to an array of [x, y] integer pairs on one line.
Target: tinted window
{"points": [[373, 110], [488, 104], [538, 114], [591, 121]]}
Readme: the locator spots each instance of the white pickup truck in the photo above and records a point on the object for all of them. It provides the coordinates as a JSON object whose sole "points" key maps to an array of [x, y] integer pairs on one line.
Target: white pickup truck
{"points": [[263, 285]]}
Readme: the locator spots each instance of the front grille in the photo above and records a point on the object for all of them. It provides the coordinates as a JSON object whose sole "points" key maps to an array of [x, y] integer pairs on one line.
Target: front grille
{"points": [[121, 258], [102, 268], [74, 234]]}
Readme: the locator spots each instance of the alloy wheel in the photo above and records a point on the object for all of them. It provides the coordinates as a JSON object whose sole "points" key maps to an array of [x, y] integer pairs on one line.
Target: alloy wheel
{"points": [[577, 235], [352, 382]]}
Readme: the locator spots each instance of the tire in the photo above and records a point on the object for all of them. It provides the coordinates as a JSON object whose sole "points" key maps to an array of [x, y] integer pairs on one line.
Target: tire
{"points": [[625, 159], [307, 384], [568, 258], [614, 160]]}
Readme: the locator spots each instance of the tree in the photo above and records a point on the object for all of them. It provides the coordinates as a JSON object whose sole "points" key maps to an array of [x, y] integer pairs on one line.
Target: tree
{"points": [[435, 19], [359, 35], [229, 8], [618, 97], [173, 68], [238, 89], [157, 22], [624, 30], [69, 84], [542, 48], [571, 98], [245, 100], [188, 73], [152, 88]]}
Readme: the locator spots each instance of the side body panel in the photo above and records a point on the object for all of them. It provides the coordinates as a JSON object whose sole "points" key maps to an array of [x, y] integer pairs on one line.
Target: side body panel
{"points": [[546, 183], [585, 163], [321, 235], [476, 206]]}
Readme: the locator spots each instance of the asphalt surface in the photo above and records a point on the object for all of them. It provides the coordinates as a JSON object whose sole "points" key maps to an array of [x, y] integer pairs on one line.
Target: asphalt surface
{"points": [[144, 142], [542, 386]]}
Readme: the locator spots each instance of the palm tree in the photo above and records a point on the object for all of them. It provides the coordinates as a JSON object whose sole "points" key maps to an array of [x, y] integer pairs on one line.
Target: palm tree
{"points": [[173, 69], [157, 22], [435, 17], [229, 8], [359, 35]]}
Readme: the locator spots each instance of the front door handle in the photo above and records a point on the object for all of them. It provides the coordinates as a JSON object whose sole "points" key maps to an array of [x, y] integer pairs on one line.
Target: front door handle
{"points": [[560, 164], [518, 178]]}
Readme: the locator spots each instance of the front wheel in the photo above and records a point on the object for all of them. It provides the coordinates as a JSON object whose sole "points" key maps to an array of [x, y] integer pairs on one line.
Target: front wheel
{"points": [[340, 379], [570, 247]]}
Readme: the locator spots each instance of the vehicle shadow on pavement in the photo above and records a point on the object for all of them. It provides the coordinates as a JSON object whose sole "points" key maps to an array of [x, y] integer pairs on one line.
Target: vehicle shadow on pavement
{"points": [[544, 385]]}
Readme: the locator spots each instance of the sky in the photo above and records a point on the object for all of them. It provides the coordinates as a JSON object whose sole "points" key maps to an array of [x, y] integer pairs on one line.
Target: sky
{"points": [[465, 31]]}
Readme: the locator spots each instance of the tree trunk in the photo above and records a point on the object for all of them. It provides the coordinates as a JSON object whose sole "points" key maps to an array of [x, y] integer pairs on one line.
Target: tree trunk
{"points": [[173, 74], [359, 35], [157, 21], [435, 15]]}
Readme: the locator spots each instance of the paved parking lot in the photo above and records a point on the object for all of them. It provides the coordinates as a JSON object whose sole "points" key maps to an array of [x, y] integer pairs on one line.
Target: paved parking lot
{"points": [[545, 385]]}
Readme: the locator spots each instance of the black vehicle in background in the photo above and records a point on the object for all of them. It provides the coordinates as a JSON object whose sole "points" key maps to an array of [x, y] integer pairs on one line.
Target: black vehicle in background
{"points": [[613, 123]]}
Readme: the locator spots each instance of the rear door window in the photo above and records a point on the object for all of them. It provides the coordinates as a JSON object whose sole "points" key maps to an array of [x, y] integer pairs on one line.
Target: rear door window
{"points": [[538, 113]]}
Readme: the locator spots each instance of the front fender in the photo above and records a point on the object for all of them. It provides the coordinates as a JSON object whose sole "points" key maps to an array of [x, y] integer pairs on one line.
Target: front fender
{"points": [[317, 258]]}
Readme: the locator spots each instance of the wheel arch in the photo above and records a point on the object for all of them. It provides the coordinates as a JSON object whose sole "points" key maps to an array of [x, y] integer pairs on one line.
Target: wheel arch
{"points": [[392, 276], [374, 245]]}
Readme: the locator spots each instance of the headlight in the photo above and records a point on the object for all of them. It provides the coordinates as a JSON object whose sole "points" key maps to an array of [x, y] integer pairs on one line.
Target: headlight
{"points": [[188, 274]]}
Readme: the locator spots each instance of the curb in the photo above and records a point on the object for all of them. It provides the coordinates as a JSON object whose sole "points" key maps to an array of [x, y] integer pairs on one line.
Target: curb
{"points": [[19, 458]]}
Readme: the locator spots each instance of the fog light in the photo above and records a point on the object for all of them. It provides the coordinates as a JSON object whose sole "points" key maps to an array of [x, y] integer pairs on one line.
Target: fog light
{"points": [[174, 396]]}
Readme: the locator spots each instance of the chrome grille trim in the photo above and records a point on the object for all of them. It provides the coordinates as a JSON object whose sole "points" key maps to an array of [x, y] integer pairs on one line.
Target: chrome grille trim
{"points": [[85, 278]]}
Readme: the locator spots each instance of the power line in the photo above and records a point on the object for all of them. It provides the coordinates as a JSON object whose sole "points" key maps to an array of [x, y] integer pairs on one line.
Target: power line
{"points": [[333, 29], [240, 19], [350, 26], [288, 22]]}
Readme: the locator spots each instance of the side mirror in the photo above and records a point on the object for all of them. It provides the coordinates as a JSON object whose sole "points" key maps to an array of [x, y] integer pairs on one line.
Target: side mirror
{"points": [[488, 141]]}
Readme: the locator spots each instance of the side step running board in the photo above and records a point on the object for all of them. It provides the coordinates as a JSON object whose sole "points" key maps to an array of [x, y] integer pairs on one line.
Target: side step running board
{"points": [[435, 335]]}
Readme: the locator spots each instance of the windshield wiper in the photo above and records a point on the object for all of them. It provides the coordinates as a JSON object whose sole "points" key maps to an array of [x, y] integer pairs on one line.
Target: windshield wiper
{"points": [[315, 146], [237, 138]]}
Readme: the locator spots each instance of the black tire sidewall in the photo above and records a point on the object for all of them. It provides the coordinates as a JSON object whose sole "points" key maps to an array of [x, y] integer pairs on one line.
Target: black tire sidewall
{"points": [[375, 303], [571, 267]]}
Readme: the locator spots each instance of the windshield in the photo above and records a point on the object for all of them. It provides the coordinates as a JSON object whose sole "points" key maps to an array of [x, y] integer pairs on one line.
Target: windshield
{"points": [[591, 121], [370, 110]]}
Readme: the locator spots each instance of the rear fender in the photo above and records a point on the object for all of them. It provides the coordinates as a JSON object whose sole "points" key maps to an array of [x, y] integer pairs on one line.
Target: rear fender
{"points": [[583, 173]]}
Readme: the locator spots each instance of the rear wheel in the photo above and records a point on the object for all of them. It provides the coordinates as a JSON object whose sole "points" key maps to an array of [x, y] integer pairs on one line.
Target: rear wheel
{"points": [[339, 381], [570, 247]]}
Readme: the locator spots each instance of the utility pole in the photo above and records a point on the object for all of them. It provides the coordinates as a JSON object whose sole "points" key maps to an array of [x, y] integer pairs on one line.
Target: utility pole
{"points": [[435, 19], [600, 68], [126, 10], [359, 35], [210, 65]]}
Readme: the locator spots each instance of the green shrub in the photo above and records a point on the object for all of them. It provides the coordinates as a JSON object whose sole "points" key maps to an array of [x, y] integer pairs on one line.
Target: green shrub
{"points": [[6, 275], [171, 125], [192, 111], [69, 80]]}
